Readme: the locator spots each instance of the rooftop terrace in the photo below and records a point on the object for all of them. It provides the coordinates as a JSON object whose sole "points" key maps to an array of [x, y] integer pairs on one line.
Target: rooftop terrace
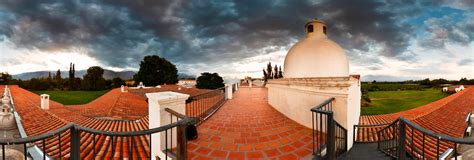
{"points": [[245, 127]]}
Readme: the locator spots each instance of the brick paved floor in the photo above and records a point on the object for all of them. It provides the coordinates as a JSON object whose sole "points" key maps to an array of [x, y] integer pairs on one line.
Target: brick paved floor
{"points": [[247, 127]]}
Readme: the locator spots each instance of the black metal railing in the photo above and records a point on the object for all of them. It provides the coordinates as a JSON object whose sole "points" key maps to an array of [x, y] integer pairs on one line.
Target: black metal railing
{"points": [[41, 141], [404, 137], [329, 137], [388, 139], [66, 141], [366, 133], [201, 107]]}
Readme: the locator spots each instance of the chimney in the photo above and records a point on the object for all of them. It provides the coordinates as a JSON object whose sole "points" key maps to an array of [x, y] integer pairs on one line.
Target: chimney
{"points": [[122, 88], [44, 101]]}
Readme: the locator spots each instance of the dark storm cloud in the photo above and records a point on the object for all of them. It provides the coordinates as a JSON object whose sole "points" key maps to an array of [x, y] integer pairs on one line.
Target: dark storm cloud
{"points": [[120, 32]]}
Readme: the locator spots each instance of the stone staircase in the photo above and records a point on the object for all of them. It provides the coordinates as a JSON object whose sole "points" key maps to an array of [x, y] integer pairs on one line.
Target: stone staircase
{"points": [[364, 151]]}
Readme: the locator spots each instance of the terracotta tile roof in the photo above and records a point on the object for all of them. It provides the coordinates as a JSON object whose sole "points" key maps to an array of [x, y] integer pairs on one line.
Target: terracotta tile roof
{"points": [[37, 121], [114, 105], [445, 116]]}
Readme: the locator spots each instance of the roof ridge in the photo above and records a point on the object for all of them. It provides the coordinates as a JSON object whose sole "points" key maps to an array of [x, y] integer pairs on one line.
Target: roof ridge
{"points": [[114, 104], [39, 107]]}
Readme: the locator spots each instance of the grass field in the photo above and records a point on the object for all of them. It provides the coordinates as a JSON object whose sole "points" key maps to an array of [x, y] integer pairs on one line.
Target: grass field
{"points": [[73, 97], [394, 101]]}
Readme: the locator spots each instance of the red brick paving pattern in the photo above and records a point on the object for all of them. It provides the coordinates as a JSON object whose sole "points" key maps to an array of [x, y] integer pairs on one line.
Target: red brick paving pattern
{"points": [[247, 127]]}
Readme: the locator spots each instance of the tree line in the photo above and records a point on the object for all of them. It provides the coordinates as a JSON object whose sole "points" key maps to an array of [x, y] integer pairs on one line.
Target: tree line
{"points": [[153, 71], [272, 72], [92, 80]]}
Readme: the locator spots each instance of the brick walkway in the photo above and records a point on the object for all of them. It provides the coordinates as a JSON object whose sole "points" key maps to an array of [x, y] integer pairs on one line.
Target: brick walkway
{"points": [[247, 127]]}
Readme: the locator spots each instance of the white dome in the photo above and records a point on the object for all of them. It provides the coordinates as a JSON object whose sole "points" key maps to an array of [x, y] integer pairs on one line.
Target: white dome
{"points": [[316, 55]]}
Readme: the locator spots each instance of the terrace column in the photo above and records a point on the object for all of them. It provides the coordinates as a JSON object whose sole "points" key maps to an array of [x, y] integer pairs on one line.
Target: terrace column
{"points": [[250, 83], [228, 91], [157, 102]]}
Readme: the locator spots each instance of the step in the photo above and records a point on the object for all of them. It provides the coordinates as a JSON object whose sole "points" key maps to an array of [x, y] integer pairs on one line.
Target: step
{"points": [[364, 151]]}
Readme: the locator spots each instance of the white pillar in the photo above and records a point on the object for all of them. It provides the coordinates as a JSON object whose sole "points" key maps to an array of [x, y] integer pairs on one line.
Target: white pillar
{"points": [[228, 91], [44, 101], [122, 88], [250, 83], [157, 102]]}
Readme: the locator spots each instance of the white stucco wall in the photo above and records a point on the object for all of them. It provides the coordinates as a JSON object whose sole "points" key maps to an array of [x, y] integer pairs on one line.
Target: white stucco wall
{"points": [[353, 112], [295, 97]]}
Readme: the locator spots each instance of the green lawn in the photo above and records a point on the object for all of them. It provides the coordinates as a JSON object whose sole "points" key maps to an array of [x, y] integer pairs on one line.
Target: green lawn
{"points": [[73, 97], [394, 101]]}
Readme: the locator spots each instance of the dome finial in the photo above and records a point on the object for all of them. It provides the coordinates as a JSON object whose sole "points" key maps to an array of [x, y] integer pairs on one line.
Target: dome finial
{"points": [[315, 28]]}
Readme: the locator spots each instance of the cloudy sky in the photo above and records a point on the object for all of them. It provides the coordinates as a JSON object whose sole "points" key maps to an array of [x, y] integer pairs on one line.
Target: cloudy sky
{"points": [[383, 39]]}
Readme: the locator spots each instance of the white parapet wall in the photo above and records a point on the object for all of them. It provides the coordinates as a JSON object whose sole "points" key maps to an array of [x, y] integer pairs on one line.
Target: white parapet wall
{"points": [[157, 102], [294, 97]]}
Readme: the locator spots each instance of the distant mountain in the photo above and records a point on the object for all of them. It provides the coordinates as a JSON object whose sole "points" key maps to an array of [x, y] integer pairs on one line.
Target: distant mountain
{"points": [[108, 74], [387, 78], [185, 76]]}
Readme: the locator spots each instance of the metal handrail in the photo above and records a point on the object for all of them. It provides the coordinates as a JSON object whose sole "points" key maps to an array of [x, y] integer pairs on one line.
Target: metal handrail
{"points": [[38, 137], [200, 109], [208, 92], [371, 125], [434, 134], [359, 126], [179, 115], [184, 121], [75, 130], [399, 135], [319, 106], [333, 129]]}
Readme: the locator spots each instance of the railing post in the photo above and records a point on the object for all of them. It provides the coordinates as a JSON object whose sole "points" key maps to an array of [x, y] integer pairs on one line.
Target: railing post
{"points": [[354, 134], [182, 142], [331, 138], [401, 141], [75, 143]]}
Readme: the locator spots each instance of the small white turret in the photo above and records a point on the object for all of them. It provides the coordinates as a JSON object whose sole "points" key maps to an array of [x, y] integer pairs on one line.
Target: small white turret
{"points": [[44, 101], [140, 85]]}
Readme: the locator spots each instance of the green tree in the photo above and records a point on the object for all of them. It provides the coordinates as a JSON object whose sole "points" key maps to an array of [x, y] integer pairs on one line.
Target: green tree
{"points": [[275, 72], [155, 70], [50, 81], [280, 73], [94, 80], [117, 82], [269, 71], [59, 80], [426, 82], [463, 81], [209, 81], [5, 78], [264, 74], [72, 77]]}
